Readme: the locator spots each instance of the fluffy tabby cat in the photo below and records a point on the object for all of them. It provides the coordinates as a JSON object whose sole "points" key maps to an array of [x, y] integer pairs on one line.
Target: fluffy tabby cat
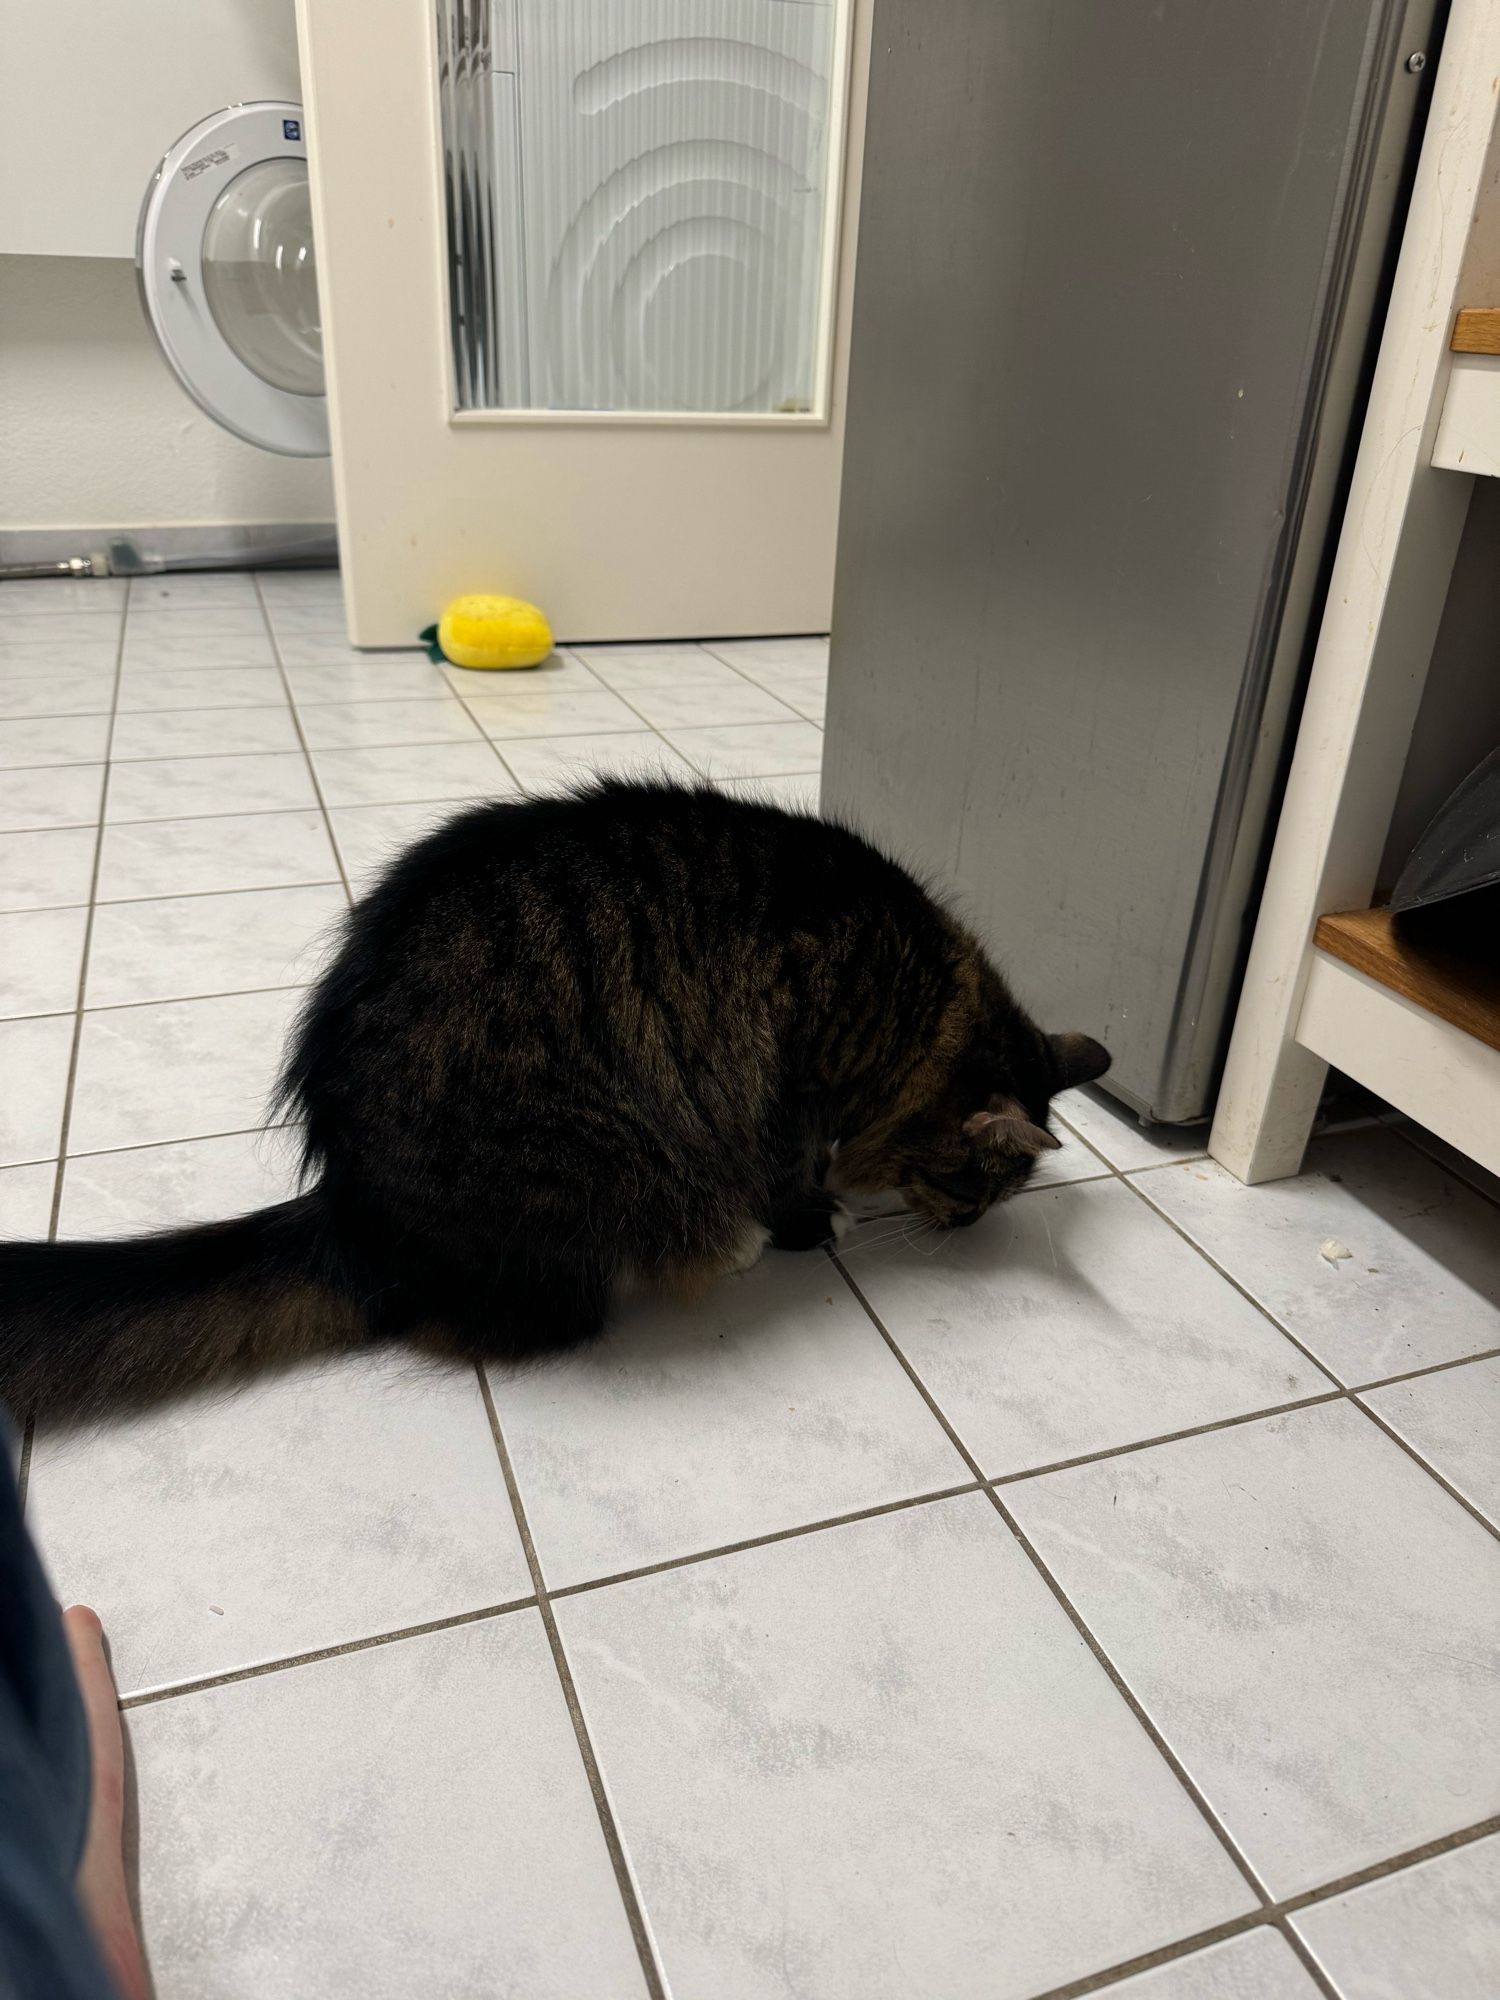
{"points": [[633, 1033]]}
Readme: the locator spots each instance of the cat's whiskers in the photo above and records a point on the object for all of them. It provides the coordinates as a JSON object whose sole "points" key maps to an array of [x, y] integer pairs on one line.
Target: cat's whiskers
{"points": [[913, 1232]]}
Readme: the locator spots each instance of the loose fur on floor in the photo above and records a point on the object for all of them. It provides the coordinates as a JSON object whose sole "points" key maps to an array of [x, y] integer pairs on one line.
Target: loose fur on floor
{"points": [[627, 1034]]}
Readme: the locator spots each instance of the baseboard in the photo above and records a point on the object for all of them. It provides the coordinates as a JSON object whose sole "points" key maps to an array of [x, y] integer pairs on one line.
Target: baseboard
{"points": [[142, 551]]}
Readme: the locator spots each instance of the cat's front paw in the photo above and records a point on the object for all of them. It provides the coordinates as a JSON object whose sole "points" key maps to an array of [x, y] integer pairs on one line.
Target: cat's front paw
{"points": [[746, 1253]]}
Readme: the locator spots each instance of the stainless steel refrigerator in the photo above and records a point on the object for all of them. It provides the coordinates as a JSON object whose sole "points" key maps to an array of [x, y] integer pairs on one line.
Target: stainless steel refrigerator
{"points": [[1121, 270]]}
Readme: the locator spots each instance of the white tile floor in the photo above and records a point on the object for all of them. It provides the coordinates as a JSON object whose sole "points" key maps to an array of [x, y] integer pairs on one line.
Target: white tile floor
{"points": [[1106, 1597]]}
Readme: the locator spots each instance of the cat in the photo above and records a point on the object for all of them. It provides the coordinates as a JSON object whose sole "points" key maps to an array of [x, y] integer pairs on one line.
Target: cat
{"points": [[634, 1033]]}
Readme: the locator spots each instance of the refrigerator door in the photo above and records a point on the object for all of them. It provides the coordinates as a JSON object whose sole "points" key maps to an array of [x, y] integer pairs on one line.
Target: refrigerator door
{"points": [[1119, 271]]}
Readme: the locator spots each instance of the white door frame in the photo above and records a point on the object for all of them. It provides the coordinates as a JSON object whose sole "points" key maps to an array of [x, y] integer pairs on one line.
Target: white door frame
{"points": [[650, 528]]}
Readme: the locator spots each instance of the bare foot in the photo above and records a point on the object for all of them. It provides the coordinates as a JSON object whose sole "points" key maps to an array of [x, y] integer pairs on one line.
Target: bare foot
{"points": [[102, 1894]]}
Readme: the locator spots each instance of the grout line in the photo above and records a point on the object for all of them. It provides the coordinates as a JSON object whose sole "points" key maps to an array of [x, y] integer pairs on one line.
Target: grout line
{"points": [[248, 812], [1088, 1145], [1274, 1916], [181, 999], [191, 1139], [1169, 1756], [166, 896], [1169, 1437], [1431, 1470], [1310, 1965], [1229, 1278], [629, 1896], [915, 1379], [1136, 1706], [149, 1697], [187, 895], [792, 715], [1347, 1391], [307, 756], [670, 1563], [88, 937], [1432, 1368]]}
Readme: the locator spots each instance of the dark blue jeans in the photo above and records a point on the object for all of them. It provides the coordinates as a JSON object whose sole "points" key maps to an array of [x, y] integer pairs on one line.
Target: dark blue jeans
{"points": [[46, 1952]]}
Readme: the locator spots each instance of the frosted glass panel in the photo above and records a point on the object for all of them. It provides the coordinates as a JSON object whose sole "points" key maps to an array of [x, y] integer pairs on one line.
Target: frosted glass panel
{"points": [[637, 198]]}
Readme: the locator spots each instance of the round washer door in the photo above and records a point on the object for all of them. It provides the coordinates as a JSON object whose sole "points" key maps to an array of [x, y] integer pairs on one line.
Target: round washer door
{"points": [[229, 279]]}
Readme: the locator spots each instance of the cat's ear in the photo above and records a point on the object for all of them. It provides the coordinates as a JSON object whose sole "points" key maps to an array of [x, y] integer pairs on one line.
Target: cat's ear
{"points": [[1004, 1127], [1079, 1059]]}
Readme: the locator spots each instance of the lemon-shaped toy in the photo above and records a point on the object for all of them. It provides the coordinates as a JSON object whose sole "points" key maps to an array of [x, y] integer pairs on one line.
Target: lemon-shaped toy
{"points": [[485, 631]]}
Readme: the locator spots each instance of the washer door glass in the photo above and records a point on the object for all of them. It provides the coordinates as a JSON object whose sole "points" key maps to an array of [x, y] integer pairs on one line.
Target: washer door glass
{"points": [[260, 278]]}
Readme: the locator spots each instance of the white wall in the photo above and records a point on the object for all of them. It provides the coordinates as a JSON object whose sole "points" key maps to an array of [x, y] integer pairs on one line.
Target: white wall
{"points": [[94, 430]]}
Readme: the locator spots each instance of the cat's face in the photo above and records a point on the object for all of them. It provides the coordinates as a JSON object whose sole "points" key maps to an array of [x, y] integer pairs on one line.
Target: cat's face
{"points": [[980, 1141]]}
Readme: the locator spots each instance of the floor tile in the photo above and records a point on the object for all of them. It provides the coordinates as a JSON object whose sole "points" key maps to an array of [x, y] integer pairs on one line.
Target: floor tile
{"points": [[694, 707], [627, 668], [557, 672], [410, 772], [26, 1200], [176, 947], [402, 677], [1113, 1130], [806, 693], [751, 749], [1310, 1621], [218, 622], [43, 628], [765, 658], [549, 764], [167, 1187], [98, 594], [66, 796], [1257, 1965], [73, 739], [1430, 1930], [1072, 1161], [49, 659], [798, 792], [34, 1057], [302, 589], [183, 1069], [56, 694], [324, 647], [840, 1768], [351, 725], [770, 1402], [370, 837], [40, 871], [182, 644], [41, 955], [1452, 1419], [193, 591], [325, 615], [1069, 1321], [551, 712], [195, 787], [202, 732], [1421, 1283], [413, 1819], [328, 1504], [182, 857], [144, 691]]}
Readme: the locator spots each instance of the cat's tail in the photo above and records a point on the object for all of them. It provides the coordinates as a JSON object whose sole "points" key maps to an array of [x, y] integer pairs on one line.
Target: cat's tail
{"points": [[90, 1328]]}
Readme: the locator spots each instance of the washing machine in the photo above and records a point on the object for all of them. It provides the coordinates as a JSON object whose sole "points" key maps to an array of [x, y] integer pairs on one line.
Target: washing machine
{"points": [[228, 275]]}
